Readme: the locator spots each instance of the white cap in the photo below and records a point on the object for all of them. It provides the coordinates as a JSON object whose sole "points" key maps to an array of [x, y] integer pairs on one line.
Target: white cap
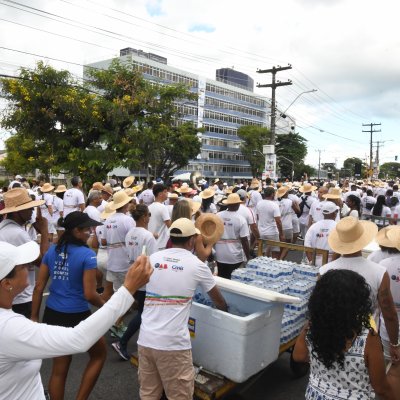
{"points": [[10, 256], [18, 177], [185, 228], [328, 207]]}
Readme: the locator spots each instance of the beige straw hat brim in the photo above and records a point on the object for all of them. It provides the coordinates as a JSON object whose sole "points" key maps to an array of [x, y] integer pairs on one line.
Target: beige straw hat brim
{"points": [[127, 182], [107, 213], [60, 189], [393, 236], [211, 227], [18, 199], [282, 191], [351, 235], [119, 200], [206, 194], [46, 188], [307, 188]]}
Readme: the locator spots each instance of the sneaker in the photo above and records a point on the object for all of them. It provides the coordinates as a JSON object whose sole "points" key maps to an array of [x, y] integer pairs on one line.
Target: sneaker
{"points": [[122, 352]]}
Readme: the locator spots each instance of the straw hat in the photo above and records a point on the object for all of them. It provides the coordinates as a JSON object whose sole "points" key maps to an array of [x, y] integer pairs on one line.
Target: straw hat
{"points": [[127, 182], [137, 188], [60, 189], [107, 211], [255, 183], [97, 186], [386, 238], [334, 193], [119, 200], [47, 187], [211, 227], [282, 191], [173, 195], [194, 205], [18, 199], [394, 237], [129, 192], [351, 235], [215, 181], [232, 199], [185, 188], [307, 187], [108, 189], [207, 193]]}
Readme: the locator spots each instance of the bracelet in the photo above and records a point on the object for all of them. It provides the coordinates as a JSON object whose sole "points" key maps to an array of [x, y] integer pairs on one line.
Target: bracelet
{"points": [[396, 346]]}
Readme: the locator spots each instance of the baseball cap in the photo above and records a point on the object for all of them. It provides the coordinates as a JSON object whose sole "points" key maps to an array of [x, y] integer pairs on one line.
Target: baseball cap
{"points": [[78, 219], [183, 227], [329, 208], [10, 256]]}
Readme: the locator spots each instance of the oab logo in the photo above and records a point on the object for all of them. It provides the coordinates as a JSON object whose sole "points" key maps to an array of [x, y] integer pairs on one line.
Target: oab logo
{"points": [[160, 266]]}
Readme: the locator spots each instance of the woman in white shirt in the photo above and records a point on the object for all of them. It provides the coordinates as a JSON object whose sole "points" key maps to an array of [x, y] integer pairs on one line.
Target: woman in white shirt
{"points": [[381, 210], [354, 204], [24, 342]]}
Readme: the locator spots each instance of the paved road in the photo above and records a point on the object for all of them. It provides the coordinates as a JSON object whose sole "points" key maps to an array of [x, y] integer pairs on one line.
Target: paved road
{"points": [[118, 379]]}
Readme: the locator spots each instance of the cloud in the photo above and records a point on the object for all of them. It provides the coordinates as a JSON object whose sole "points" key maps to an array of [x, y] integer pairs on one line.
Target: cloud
{"points": [[154, 8], [201, 28]]}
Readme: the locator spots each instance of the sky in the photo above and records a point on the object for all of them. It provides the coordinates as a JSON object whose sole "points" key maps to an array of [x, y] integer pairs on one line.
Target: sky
{"points": [[348, 50]]}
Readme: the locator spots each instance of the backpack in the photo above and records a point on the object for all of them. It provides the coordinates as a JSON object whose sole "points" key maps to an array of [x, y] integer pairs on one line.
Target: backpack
{"points": [[301, 205]]}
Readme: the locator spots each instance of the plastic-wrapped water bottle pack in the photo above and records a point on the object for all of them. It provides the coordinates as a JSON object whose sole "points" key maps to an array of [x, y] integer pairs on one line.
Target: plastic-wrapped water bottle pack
{"points": [[284, 277]]}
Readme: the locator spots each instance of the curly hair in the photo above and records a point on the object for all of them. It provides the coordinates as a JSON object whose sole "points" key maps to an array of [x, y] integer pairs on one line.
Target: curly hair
{"points": [[339, 309]]}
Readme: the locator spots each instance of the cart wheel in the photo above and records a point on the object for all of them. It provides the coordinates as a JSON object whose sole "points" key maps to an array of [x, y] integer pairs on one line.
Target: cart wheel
{"points": [[299, 369]]}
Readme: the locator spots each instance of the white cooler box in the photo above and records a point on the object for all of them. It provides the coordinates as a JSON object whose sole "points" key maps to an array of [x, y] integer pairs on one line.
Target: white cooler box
{"points": [[236, 347]]}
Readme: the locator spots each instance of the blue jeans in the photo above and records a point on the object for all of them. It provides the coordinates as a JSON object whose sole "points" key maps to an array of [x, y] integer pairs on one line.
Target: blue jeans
{"points": [[135, 322]]}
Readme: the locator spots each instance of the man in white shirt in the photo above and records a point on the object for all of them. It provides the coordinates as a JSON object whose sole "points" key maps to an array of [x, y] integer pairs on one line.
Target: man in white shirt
{"points": [[19, 208], [316, 207], [160, 219], [305, 205], [147, 196], [368, 202], [234, 241], [165, 357], [254, 194], [269, 221], [106, 194], [94, 200], [348, 238], [318, 233], [73, 198]]}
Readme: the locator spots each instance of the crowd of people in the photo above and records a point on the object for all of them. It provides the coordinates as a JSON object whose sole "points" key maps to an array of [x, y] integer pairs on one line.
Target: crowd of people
{"points": [[97, 248]]}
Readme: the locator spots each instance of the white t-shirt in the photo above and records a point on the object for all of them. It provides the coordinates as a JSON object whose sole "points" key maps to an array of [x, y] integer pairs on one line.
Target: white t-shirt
{"points": [[247, 214], [72, 199], [15, 234], [267, 211], [254, 198], [316, 210], [317, 237], [146, 196], [367, 202], [228, 249], [285, 207], [372, 272], [177, 272], [115, 229], [58, 206], [392, 265], [44, 208], [309, 200], [102, 206], [159, 214], [24, 343], [386, 212], [378, 255], [93, 213]]}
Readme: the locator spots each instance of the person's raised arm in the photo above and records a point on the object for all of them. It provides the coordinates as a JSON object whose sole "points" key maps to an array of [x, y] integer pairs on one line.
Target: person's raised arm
{"points": [[27, 340]]}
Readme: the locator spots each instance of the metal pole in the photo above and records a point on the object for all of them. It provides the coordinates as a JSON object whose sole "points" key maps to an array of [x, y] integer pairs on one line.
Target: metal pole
{"points": [[273, 109]]}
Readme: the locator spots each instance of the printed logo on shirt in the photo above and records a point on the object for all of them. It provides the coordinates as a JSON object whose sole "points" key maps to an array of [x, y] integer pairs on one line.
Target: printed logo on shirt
{"points": [[177, 268], [395, 278], [160, 266]]}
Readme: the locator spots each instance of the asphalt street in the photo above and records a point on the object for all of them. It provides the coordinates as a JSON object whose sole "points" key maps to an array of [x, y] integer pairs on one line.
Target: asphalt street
{"points": [[118, 379]]}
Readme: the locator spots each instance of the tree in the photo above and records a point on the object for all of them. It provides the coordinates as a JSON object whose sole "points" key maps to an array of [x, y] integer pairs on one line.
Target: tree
{"points": [[349, 167], [254, 137], [302, 170], [390, 170], [291, 146]]}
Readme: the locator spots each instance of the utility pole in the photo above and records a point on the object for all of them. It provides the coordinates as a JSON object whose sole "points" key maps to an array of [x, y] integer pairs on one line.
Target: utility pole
{"points": [[371, 131], [273, 86], [319, 161]]}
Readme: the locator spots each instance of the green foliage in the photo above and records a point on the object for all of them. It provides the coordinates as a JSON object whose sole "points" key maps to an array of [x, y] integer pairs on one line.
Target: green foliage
{"points": [[390, 170], [293, 147], [304, 170], [254, 137], [349, 166], [117, 119]]}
